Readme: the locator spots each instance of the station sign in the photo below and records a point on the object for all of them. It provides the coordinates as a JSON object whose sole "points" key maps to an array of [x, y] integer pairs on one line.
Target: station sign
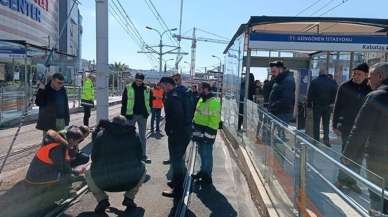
{"points": [[318, 42], [29, 8], [15, 53]]}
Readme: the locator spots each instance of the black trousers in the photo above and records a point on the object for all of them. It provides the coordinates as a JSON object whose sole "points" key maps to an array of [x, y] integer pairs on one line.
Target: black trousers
{"points": [[87, 110], [177, 147], [324, 114]]}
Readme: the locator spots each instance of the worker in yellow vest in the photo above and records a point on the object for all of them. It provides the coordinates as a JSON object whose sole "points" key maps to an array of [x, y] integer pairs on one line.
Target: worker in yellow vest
{"points": [[136, 108], [157, 96], [87, 97], [207, 118]]}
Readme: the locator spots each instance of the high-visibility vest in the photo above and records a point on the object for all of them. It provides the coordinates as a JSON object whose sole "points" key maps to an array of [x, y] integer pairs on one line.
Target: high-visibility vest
{"points": [[208, 113], [43, 154], [131, 99], [88, 90], [157, 101]]}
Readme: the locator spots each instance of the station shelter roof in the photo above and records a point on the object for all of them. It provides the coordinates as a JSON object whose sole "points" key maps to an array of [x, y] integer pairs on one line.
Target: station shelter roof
{"points": [[319, 25]]}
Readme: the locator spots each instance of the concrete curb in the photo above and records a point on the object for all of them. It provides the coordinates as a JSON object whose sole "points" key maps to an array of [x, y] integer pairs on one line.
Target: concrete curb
{"points": [[259, 194], [30, 119]]}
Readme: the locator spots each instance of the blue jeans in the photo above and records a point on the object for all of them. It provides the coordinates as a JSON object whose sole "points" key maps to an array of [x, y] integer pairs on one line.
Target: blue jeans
{"points": [[155, 116], [206, 154]]}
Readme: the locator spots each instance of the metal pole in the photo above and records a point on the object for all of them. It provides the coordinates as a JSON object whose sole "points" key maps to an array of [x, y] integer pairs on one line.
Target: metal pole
{"points": [[160, 54], [102, 59], [247, 74]]}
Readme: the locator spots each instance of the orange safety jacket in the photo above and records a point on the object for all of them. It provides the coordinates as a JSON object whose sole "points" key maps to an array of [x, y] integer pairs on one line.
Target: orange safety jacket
{"points": [[157, 98], [43, 154]]}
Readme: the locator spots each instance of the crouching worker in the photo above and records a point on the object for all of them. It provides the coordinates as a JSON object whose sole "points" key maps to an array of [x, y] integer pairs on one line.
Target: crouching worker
{"points": [[207, 118], [116, 163], [49, 175], [77, 157]]}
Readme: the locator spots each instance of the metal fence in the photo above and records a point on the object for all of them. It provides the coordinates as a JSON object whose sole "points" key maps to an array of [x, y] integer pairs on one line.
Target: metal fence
{"points": [[301, 173]]}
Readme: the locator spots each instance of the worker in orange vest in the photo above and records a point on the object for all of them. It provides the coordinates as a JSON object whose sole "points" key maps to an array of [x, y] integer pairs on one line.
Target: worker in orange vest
{"points": [[156, 103], [48, 177]]}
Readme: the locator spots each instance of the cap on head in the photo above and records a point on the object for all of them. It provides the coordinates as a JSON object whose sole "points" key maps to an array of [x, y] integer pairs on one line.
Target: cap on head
{"points": [[278, 64], [362, 67], [139, 76]]}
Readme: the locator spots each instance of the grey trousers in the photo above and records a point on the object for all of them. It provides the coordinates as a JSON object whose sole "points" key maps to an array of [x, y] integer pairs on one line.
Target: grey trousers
{"points": [[101, 195], [142, 126]]}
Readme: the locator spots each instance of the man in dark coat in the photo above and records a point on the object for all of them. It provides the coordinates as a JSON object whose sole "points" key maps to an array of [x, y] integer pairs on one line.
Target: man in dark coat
{"points": [[350, 97], [53, 105], [369, 134], [266, 91], [116, 163], [282, 96], [178, 128], [320, 97]]}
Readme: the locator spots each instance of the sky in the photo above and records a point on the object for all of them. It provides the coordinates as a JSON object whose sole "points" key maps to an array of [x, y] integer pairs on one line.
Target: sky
{"points": [[222, 17]]}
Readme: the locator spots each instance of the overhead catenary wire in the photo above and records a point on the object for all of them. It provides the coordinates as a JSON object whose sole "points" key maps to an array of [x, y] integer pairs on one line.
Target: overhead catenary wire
{"points": [[119, 18], [322, 8], [160, 19], [333, 8], [120, 14], [308, 7]]}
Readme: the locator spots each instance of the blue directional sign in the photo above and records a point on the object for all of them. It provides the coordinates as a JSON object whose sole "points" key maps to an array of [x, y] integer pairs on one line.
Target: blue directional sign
{"points": [[318, 42]]}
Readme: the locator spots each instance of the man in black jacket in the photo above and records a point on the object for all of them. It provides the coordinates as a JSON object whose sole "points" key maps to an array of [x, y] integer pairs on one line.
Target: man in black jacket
{"points": [[282, 96], [178, 109], [320, 97], [116, 163], [350, 97], [136, 108], [53, 105], [369, 134]]}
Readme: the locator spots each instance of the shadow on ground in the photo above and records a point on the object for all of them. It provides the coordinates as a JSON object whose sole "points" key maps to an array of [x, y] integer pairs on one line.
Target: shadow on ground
{"points": [[214, 200]]}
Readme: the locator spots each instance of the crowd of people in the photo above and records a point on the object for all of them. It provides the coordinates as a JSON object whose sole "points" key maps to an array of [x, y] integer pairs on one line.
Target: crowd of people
{"points": [[119, 155], [358, 109]]}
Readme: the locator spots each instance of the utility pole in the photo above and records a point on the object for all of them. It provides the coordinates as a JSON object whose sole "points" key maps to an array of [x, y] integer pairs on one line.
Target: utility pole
{"points": [[102, 59], [160, 53], [193, 51]]}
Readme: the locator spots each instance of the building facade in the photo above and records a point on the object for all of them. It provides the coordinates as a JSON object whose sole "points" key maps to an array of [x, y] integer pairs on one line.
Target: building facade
{"points": [[31, 49]]}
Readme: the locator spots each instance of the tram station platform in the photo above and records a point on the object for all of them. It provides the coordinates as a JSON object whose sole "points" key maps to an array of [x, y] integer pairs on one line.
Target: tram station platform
{"points": [[229, 195]]}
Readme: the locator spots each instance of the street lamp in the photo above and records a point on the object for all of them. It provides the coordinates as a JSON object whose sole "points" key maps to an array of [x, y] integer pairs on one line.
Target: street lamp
{"points": [[165, 64], [214, 56], [161, 43]]}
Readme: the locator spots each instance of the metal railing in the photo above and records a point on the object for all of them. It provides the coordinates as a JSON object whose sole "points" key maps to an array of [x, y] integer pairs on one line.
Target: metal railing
{"points": [[302, 174]]}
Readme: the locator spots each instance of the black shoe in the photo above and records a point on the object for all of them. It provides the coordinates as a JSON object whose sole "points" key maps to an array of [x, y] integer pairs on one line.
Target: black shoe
{"points": [[102, 206], [166, 162], [206, 180], [170, 184], [172, 194], [198, 176], [129, 203]]}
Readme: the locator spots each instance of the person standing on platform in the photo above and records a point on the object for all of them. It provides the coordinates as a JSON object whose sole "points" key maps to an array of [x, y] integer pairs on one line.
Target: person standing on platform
{"points": [[136, 108], [207, 118], [53, 105], [350, 97], [369, 135], [87, 97], [320, 97], [282, 97], [178, 129], [157, 97]]}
